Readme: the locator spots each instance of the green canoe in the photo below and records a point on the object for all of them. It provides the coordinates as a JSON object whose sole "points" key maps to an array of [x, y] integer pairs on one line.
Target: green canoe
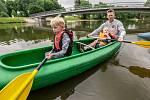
{"points": [[53, 71]]}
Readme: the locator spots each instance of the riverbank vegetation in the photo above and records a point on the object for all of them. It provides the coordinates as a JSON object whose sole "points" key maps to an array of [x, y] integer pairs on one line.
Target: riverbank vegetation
{"points": [[15, 11], [119, 15], [4, 20], [23, 8]]}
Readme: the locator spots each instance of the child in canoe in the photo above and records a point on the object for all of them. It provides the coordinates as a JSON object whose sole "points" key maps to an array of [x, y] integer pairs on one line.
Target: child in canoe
{"points": [[101, 39], [62, 41]]}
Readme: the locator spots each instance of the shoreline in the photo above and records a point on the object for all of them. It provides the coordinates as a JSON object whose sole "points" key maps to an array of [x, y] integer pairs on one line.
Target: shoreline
{"points": [[7, 20]]}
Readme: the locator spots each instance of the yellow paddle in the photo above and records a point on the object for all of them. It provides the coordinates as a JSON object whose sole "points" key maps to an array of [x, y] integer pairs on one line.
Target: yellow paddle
{"points": [[19, 88], [145, 44]]}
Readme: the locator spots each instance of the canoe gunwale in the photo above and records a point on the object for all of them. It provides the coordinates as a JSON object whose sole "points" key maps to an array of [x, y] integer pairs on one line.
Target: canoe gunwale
{"points": [[33, 65]]}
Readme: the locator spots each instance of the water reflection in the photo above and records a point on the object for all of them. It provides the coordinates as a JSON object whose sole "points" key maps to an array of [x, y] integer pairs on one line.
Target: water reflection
{"points": [[140, 71], [22, 37], [149, 51], [62, 90], [25, 33], [136, 70]]}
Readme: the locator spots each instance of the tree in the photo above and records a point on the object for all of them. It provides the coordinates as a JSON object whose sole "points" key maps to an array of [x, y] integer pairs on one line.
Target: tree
{"points": [[13, 13], [102, 5], [21, 14], [49, 4], [85, 4], [11, 5], [27, 5], [3, 8], [3, 14], [35, 9], [23, 7]]}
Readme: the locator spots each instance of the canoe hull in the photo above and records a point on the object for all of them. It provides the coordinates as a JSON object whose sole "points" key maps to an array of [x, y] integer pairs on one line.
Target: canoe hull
{"points": [[57, 70]]}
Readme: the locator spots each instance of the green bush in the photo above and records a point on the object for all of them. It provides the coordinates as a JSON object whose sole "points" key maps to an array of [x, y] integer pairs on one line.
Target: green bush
{"points": [[35, 9], [21, 14], [13, 13], [3, 8], [3, 14]]}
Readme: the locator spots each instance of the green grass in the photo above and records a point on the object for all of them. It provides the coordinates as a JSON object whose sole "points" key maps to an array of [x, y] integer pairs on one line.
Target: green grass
{"points": [[11, 25], [12, 20]]}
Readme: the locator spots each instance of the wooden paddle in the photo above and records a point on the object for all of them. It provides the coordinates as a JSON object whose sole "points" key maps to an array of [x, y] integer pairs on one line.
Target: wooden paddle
{"points": [[145, 44], [19, 88]]}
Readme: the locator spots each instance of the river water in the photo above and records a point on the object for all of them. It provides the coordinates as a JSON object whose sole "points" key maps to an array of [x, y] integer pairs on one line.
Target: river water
{"points": [[124, 77]]}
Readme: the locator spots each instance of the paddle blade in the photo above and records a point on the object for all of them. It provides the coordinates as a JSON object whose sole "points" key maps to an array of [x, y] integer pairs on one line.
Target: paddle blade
{"points": [[19, 88], [26, 92], [145, 44]]}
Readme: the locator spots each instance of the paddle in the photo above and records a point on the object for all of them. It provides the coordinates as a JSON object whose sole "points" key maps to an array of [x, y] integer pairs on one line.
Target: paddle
{"points": [[145, 44], [85, 45], [19, 88]]}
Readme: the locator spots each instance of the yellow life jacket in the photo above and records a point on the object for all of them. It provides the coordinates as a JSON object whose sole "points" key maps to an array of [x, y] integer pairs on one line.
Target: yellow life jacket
{"points": [[102, 35]]}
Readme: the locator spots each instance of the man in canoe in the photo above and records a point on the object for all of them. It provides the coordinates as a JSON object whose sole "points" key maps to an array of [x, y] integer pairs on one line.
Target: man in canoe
{"points": [[115, 26], [63, 39]]}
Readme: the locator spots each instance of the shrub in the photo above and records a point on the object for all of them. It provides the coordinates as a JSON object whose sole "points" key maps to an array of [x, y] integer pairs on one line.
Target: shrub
{"points": [[3, 14]]}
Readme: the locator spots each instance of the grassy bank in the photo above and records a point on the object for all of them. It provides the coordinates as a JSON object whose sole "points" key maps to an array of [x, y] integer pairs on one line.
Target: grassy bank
{"points": [[11, 25], [12, 20]]}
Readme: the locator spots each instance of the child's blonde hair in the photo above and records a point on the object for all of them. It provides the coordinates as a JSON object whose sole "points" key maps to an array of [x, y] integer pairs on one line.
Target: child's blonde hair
{"points": [[105, 28], [57, 21]]}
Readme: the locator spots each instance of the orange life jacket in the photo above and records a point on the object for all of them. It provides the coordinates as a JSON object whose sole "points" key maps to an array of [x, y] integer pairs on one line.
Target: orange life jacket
{"points": [[58, 41]]}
